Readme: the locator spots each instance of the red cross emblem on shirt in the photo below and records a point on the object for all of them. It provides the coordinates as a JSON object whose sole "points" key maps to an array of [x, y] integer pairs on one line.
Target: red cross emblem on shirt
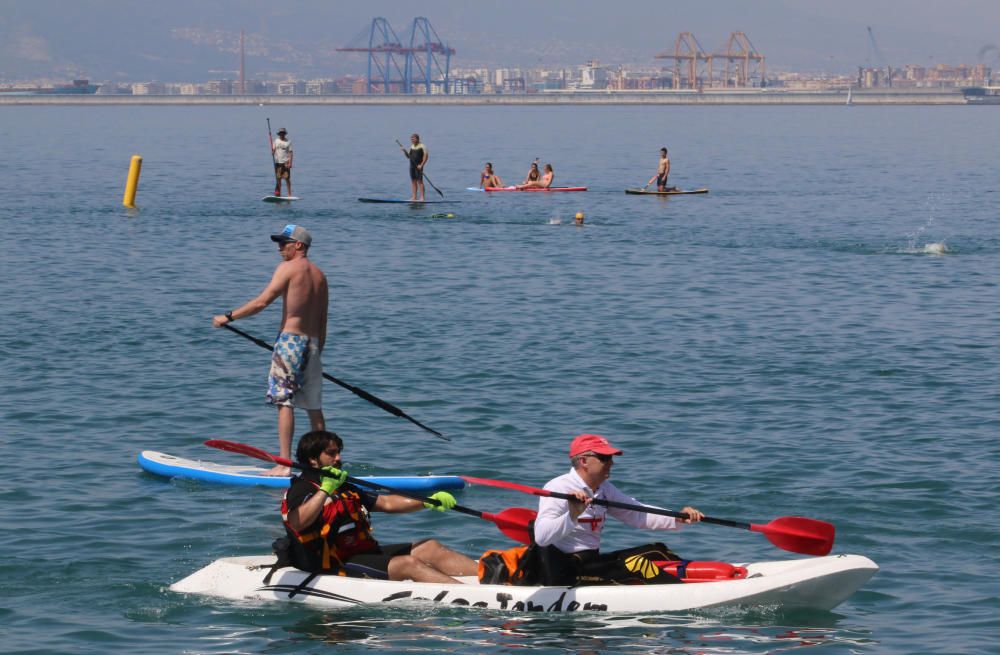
{"points": [[595, 523]]}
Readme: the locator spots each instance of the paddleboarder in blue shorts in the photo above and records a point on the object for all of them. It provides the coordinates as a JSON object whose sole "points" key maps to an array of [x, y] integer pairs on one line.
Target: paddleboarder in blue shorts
{"points": [[296, 376]]}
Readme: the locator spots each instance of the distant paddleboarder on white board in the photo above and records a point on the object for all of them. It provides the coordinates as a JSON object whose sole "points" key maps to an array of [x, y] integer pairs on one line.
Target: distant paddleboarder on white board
{"points": [[296, 376], [281, 149]]}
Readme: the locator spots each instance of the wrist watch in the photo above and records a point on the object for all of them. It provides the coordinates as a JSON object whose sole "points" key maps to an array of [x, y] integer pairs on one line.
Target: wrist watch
{"points": [[229, 315]]}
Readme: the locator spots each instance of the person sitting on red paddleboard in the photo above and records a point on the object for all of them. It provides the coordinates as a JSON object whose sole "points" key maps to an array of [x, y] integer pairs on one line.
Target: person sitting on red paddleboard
{"points": [[533, 173], [327, 521], [544, 183], [569, 532], [488, 178]]}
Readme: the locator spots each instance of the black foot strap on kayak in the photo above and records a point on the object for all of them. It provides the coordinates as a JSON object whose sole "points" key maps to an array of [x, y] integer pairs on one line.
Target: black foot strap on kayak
{"points": [[284, 557], [302, 585]]}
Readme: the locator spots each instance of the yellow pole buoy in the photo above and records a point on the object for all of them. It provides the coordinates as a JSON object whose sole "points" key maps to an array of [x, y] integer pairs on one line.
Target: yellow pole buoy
{"points": [[132, 185]]}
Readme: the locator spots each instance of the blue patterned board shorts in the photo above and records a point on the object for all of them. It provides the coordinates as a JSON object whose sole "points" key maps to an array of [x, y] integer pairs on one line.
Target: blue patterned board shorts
{"points": [[296, 376]]}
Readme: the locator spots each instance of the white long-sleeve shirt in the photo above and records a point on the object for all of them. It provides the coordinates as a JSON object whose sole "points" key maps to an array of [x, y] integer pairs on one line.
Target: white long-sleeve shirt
{"points": [[553, 526]]}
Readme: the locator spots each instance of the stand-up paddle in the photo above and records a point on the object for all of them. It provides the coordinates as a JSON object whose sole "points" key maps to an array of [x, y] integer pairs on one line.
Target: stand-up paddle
{"points": [[357, 391], [274, 164], [407, 153], [792, 533], [513, 521]]}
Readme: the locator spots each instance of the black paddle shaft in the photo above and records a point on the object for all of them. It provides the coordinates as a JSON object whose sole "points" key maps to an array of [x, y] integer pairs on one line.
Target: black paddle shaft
{"points": [[653, 510], [389, 407], [392, 490]]}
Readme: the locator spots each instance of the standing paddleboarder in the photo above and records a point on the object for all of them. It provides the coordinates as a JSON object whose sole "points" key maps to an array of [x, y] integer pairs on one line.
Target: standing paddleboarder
{"points": [[662, 173], [296, 376], [281, 150], [418, 156]]}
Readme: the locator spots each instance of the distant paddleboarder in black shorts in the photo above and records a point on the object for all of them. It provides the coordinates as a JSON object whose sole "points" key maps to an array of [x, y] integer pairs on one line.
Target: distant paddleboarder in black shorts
{"points": [[418, 156], [662, 173]]}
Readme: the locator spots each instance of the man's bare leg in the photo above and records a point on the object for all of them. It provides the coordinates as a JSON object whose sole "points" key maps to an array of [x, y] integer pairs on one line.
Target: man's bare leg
{"points": [[286, 428], [316, 420], [443, 559], [408, 567]]}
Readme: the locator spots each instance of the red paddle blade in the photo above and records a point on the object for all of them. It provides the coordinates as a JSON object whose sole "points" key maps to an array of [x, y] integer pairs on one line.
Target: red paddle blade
{"points": [[246, 449], [513, 522], [502, 484], [798, 534]]}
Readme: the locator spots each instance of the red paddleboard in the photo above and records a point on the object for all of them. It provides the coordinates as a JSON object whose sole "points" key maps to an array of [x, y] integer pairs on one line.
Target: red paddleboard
{"points": [[551, 189]]}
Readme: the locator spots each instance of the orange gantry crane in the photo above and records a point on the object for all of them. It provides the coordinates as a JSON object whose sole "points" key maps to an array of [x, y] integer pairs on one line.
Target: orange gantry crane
{"points": [[694, 67]]}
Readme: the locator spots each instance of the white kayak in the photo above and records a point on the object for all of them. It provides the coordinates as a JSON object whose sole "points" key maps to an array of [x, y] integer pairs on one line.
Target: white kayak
{"points": [[817, 583]]}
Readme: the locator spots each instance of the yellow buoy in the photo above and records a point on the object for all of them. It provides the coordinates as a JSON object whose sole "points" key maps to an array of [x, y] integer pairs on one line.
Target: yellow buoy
{"points": [[132, 185]]}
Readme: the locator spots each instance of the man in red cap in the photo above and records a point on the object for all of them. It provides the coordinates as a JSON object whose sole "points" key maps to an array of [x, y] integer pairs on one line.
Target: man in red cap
{"points": [[569, 532]]}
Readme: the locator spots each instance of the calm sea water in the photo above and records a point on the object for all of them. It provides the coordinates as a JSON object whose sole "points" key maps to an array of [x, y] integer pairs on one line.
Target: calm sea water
{"points": [[781, 346]]}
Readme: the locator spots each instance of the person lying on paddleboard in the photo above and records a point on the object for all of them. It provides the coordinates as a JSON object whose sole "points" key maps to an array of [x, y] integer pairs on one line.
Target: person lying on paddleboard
{"points": [[544, 183], [533, 173], [488, 178], [662, 173], [569, 532], [418, 156], [327, 522], [281, 150]]}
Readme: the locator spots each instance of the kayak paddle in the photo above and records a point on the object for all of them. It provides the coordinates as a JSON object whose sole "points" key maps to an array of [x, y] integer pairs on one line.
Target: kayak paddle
{"points": [[796, 534], [513, 521], [424, 174], [357, 391]]}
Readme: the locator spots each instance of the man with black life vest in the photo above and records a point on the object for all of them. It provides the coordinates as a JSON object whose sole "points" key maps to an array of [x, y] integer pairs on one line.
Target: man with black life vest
{"points": [[569, 532], [326, 519]]}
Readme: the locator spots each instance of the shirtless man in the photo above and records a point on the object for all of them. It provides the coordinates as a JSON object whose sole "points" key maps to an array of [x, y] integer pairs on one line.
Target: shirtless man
{"points": [[543, 183], [296, 376], [662, 172]]}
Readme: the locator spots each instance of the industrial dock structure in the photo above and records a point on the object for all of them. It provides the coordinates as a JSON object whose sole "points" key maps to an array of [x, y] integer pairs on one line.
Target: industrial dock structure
{"points": [[417, 69]]}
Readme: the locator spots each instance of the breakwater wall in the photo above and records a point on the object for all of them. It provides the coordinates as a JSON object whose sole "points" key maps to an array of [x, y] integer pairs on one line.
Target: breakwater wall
{"points": [[756, 97]]}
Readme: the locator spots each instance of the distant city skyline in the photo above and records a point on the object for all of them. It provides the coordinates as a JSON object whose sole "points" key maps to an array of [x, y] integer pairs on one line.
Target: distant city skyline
{"points": [[198, 41]]}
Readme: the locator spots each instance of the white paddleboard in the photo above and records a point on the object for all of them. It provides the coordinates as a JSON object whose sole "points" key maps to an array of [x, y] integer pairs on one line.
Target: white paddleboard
{"points": [[279, 198]]}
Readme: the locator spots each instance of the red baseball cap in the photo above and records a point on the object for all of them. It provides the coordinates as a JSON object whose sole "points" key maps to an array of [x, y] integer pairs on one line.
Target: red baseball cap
{"points": [[593, 443]]}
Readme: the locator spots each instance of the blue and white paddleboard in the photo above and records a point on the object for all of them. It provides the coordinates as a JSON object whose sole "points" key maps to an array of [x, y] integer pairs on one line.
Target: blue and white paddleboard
{"points": [[405, 202], [250, 476]]}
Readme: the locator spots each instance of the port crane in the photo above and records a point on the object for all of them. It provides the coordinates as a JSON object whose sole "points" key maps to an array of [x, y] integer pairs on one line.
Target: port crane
{"points": [[397, 68], [877, 59]]}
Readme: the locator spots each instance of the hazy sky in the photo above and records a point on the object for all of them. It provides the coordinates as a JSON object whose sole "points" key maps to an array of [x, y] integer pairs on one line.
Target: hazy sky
{"points": [[195, 39]]}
